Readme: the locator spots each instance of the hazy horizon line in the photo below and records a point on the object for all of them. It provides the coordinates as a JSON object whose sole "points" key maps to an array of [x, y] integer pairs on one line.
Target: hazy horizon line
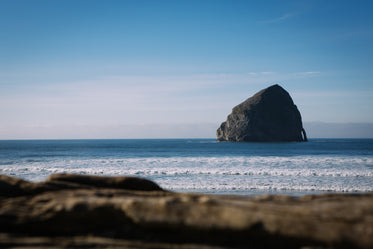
{"points": [[206, 130]]}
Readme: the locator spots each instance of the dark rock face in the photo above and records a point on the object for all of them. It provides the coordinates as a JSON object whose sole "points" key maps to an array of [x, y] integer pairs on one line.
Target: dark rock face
{"points": [[268, 116], [12, 187], [129, 183], [71, 211]]}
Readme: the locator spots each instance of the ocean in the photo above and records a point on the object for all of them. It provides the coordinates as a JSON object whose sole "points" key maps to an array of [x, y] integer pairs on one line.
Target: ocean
{"points": [[203, 165]]}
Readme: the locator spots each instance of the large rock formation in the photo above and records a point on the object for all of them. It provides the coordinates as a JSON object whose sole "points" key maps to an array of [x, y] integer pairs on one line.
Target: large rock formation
{"points": [[268, 116], [71, 211]]}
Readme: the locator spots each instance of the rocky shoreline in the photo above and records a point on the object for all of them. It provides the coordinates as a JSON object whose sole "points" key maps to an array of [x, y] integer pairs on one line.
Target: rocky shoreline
{"points": [[75, 211]]}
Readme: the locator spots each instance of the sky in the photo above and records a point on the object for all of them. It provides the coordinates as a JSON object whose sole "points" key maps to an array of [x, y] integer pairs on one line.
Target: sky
{"points": [[169, 69]]}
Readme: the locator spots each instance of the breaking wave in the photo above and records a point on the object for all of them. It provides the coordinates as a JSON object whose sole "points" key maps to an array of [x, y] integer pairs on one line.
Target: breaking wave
{"points": [[300, 173]]}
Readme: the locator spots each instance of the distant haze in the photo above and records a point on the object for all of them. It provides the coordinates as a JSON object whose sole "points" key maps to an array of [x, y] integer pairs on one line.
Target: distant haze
{"points": [[203, 130], [339, 130]]}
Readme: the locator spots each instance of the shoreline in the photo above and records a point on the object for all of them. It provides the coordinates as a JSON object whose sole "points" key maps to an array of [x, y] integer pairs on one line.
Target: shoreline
{"points": [[258, 192], [238, 191]]}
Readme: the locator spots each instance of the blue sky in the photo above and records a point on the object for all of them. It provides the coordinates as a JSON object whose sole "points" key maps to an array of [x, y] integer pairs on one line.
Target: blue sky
{"points": [[125, 69]]}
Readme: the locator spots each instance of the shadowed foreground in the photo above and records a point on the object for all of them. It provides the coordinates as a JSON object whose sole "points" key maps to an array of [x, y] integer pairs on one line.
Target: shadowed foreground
{"points": [[74, 211]]}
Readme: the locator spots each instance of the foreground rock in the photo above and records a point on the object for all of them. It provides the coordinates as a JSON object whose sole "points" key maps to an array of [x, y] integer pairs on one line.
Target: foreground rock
{"points": [[268, 116], [70, 211]]}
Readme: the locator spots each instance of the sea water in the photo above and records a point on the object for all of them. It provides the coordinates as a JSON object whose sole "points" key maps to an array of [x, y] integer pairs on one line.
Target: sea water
{"points": [[203, 165]]}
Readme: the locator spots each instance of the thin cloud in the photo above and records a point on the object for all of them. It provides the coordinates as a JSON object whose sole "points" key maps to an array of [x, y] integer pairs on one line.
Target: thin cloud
{"points": [[260, 73], [284, 17], [335, 93], [307, 74], [312, 72]]}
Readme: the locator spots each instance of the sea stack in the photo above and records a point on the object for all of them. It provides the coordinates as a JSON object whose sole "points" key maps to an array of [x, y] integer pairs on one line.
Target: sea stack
{"points": [[268, 116]]}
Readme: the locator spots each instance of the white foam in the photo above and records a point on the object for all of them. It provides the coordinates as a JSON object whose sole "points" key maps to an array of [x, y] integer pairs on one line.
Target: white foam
{"points": [[302, 173]]}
